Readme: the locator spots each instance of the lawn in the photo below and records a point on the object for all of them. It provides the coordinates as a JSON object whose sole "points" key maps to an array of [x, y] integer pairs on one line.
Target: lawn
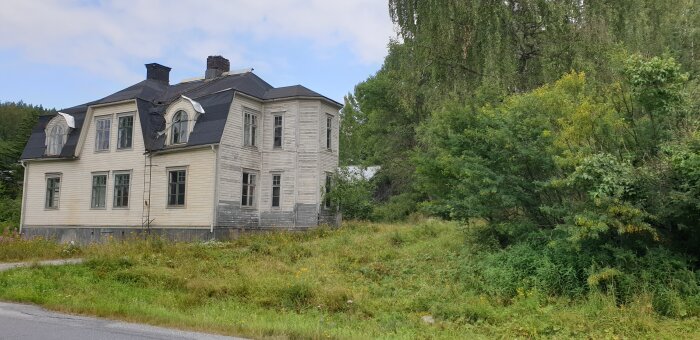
{"points": [[359, 281]]}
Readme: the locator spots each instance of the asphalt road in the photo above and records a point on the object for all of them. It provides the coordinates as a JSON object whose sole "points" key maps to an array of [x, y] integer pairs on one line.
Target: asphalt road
{"points": [[19, 321]]}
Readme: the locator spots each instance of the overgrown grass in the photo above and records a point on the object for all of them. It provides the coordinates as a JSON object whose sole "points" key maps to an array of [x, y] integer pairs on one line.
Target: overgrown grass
{"points": [[359, 281], [13, 248]]}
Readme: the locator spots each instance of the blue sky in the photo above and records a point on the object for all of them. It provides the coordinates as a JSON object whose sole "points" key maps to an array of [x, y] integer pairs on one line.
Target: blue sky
{"points": [[60, 53]]}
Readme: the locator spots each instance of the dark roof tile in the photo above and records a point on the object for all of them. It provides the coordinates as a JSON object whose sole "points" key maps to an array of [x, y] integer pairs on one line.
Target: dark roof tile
{"points": [[152, 97]]}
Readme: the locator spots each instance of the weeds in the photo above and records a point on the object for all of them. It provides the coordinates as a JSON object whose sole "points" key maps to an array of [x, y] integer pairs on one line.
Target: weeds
{"points": [[359, 281]]}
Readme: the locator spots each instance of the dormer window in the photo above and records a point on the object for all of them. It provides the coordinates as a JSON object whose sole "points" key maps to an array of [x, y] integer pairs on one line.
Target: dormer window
{"points": [[57, 138], [179, 131], [56, 134]]}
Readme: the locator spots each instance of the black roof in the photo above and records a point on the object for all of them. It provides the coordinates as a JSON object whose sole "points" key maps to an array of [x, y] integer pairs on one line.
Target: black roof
{"points": [[152, 98]]}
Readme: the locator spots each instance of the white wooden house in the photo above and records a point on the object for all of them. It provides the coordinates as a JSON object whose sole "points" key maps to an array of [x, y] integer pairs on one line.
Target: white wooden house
{"points": [[201, 159]]}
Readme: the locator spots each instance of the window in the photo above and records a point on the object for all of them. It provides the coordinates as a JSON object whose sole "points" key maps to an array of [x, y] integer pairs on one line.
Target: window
{"points": [[99, 191], [248, 190], [176, 187], [121, 190], [250, 127], [53, 191], [277, 142], [329, 131], [327, 196], [125, 132], [57, 137], [179, 128], [276, 187], [102, 126]]}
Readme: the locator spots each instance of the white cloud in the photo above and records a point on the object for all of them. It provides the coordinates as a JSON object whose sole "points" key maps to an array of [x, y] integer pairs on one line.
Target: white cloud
{"points": [[105, 37]]}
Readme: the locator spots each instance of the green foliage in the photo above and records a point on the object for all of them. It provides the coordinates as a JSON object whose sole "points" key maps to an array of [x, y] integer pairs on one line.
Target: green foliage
{"points": [[18, 119], [13, 248], [353, 194], [366, 281], [9, 213]]}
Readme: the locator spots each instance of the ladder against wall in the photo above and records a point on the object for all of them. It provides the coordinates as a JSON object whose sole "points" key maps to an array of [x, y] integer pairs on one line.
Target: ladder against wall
{"points": [[146, 219]]}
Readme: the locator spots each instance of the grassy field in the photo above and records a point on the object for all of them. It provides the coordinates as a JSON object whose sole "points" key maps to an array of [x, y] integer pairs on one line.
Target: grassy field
{"points": [[15, 249], [359, 281]]}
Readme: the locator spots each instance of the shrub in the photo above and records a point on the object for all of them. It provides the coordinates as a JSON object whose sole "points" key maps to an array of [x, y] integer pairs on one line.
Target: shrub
{"points": [[396, 209], [297, 295]]}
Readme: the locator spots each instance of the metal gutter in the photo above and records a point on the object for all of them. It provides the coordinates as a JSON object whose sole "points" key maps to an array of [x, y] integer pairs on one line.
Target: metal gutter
{"points": [[24, 196]]}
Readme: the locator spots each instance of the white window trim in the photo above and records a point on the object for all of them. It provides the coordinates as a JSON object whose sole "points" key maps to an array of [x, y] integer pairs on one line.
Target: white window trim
{"points": [[58, 175], [133, 127], [192, 117], [246, 110], [167, 188], [256, 189], [114, 191], [329, 137], [109, 139], [56, 121], [272, 189], [172, 126], [100, 173], [274, 116]]}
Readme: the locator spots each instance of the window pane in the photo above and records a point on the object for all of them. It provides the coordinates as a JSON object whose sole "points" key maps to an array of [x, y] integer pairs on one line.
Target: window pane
{"points": [[179, 128], [276, 181], [126, 124], [53, 187], [329, 125], [248, 189], [121, 190], [102, 127], [277, 142], [99, 191], [327, 201], [176, 187]]}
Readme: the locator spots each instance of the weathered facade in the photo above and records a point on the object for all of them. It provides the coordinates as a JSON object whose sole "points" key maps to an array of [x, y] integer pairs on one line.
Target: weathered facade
{"points": [[201, 159]]}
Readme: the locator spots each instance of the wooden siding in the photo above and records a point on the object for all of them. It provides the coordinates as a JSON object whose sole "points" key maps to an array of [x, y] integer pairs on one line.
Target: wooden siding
{"points": [[76, 182], [301, 161]]}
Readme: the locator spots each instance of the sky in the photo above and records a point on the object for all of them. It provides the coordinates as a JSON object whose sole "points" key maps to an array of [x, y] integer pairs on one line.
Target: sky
{"points": [[61, 53]]}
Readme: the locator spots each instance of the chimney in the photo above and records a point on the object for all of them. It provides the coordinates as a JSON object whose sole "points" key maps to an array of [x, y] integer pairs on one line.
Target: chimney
{"points": [[216, 65], [155, 71]]}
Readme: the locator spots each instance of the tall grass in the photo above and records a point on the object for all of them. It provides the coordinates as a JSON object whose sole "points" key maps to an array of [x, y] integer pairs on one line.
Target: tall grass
{"points": [[359, 281], [15, 248]]}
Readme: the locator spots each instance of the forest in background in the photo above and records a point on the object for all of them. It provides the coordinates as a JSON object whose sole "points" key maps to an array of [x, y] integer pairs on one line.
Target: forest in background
{"points": [[17, 121], [566, 132]]}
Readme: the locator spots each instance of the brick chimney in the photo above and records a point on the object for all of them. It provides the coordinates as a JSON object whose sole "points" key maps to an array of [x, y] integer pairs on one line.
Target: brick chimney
{"points": [[216, 65], [155, 71]]}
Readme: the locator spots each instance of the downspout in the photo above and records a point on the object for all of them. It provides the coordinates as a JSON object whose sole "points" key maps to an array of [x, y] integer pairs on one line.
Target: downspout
{"points": [[215, 206], [24, 196]]}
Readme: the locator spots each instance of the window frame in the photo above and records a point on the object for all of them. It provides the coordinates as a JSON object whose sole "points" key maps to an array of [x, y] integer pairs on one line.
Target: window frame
{"points": [[275, 129], [108, 119], [277, 186], [180, 123], [92, 189], [56, 196], [250, 128], [115, 192], [131, 132], [329, 132], [52, 138], [251, 201], [168, 171], [328, 185]]}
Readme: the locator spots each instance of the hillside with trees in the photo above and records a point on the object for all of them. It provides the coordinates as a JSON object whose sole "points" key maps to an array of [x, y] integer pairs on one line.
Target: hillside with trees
{"points": [[17, 121]]}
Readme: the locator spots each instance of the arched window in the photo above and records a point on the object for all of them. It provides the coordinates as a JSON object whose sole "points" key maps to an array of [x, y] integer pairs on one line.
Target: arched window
{"points": [[56, 140], [179, 128]]}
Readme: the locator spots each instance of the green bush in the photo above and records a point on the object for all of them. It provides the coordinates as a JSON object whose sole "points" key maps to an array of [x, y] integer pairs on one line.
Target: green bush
{"points": [[10, 210], [398, 208]]}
